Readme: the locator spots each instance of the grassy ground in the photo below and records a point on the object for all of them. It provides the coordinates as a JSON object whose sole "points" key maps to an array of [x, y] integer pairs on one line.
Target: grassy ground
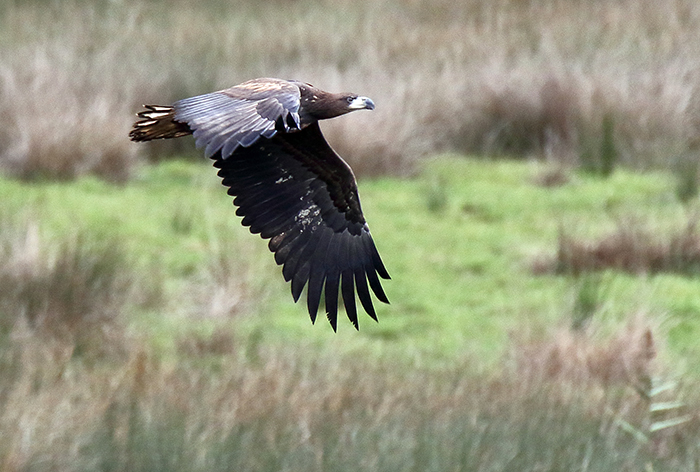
{"points": [[466, 243], [198, 360], [542, 319], [469, 258]]}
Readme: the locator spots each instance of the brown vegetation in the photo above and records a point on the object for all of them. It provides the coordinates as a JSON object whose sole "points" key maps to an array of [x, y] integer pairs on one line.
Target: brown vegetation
{"points": [[226, 401], [627, 358], [631, 248], [78, 392], [570, 80], [558, 401], [479, 76], [71, 294], [223, 400]]}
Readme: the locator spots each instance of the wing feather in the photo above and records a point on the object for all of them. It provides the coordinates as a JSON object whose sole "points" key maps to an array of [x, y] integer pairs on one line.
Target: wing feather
{"points": [[363, 292], [299, 279], [296, 191], [296, 254], [222, 121], [348, 290], [300, 274], [317, 275], [288, 185], [376, 285]]}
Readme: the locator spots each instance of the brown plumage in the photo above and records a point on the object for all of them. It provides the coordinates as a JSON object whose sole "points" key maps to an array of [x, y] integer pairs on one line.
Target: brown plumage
{"points": [[287, 182]]}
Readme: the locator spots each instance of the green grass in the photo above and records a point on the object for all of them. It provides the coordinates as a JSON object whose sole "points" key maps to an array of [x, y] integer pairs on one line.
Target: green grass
{"points": [[481, 362], [142, 328], [462, 275]]}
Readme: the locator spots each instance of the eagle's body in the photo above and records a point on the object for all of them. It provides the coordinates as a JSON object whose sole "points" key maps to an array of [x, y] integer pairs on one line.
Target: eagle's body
{"points": [[288, 183]]}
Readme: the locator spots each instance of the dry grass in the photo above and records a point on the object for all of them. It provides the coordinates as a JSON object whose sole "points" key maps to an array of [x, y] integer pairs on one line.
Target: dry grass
{"points": [[71, 294], [626, 358], [497, 77], [552, 176], [631, 248], [227, 401], [558, 403], [62, 94], [233, 283]]}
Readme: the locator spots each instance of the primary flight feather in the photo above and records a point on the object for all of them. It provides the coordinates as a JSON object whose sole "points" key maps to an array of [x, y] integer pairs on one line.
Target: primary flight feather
{"points": [[287, 182]]}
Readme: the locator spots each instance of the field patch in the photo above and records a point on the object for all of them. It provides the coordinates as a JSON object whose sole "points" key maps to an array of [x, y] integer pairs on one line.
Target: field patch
{"points": [[173, 327]]}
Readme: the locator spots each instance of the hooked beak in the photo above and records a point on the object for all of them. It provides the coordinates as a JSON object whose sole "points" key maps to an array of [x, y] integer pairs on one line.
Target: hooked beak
{"points": [[362, 103]]}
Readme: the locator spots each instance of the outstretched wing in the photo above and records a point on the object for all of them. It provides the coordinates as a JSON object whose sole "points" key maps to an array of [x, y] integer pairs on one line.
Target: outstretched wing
{"points": [[222, 121], [296, 191]]}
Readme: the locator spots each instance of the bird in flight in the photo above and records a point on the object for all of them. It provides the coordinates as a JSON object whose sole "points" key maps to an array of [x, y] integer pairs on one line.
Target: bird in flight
{"points": [[288, 184]]}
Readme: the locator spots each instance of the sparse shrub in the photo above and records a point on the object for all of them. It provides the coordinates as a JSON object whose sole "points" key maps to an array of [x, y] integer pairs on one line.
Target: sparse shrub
{"points": [[437, 195], [632, 248], [587, 300], [599, 153], [608, 148], [553, 174], [233, 282], [62, 107], [658, 429], [218, 343], [558, 401], [687, 172], [183, 220], [70, 83], [648, 405], [73, 291], [589, 356]]}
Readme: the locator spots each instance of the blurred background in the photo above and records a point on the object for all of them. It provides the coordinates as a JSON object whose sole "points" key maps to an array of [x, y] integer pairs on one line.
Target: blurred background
{"points": [[502, 77], [530, 175]]}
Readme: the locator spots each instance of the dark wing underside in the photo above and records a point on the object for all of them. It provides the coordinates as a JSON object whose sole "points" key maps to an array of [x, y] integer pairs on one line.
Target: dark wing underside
{"points": [[296, 191], [288, 184]]}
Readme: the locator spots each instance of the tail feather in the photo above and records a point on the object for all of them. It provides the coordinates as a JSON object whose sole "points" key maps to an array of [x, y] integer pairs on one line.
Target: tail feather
{"points": [[158, 122]]}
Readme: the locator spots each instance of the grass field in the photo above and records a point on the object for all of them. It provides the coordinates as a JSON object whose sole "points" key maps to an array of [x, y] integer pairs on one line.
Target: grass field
{"points": [[474, 262], [531, 179], [198, 360]]}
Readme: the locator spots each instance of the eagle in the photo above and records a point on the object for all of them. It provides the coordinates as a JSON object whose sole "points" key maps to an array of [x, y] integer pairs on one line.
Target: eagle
{"points": [[288, 184]]}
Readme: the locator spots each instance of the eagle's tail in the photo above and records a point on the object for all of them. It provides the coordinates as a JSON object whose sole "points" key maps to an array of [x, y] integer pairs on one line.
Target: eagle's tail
{"points": [[158, 122]]}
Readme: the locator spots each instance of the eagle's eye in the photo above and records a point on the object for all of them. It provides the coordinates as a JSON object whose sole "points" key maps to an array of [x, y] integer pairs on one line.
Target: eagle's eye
{"points": [[350, 98]]}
